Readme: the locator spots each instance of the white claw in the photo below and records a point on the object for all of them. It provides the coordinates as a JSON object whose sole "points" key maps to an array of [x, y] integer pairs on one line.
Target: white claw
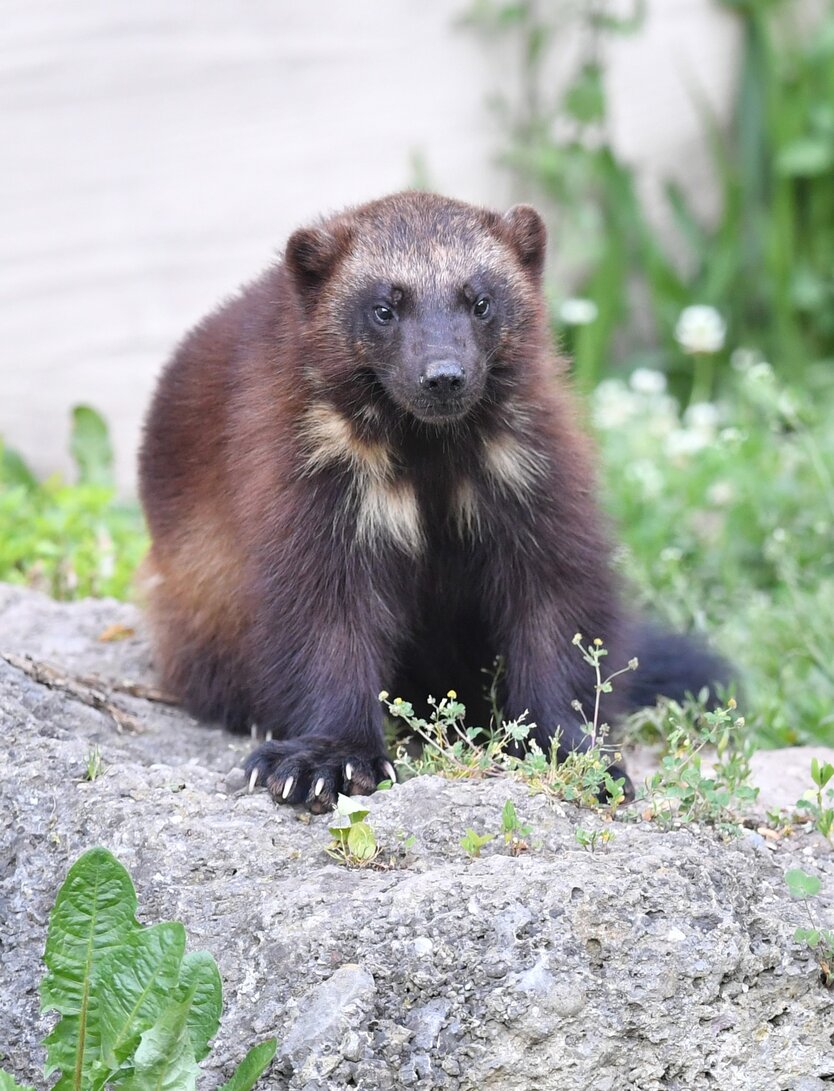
{"points": [[348, 771], [319, 785], [268, 735], [253, 730], [253, 780], [288, 783], [389, 769]]}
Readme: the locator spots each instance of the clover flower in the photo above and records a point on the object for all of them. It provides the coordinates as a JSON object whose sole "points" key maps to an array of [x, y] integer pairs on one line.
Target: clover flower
{"points": [[614, 404], [702, 416], [700, 329], [684, 442], [742, 359], [721, 493], [647, 380], [645, 473]]}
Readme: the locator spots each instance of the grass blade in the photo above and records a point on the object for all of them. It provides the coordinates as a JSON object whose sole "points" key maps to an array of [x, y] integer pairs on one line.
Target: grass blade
{"points": [[252, 1067]]}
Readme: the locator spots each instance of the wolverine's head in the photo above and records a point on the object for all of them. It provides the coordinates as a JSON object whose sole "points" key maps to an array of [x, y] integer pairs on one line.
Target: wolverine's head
{"points": [[423, 303]]}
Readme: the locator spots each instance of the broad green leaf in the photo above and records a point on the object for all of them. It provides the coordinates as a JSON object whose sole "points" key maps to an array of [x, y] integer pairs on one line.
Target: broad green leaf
{"points": [[200, 978], [347, 805], [137, 981], [810, 936], [361, 841], [821, 773], [14, 471], [473, 842], [94, 915], [585, 98], [90, 447], [802, 885], [251, 1067], [8, 1083], [339, 829], [164, 1059]]}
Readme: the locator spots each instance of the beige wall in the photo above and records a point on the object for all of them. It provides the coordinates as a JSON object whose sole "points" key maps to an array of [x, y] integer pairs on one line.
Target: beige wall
{"points": [[155, 154]]}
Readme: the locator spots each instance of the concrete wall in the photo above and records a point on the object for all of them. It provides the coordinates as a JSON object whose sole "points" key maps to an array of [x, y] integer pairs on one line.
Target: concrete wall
{"points": [[156, 154]]}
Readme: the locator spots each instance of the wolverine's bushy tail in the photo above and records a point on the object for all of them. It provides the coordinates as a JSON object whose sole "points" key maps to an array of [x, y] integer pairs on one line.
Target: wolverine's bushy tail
{"points": [[673, 665]]}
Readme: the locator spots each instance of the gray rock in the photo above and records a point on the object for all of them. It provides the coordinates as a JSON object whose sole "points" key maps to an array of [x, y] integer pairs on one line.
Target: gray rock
{"points": [[662, 961], [326, 1016], [426, 1022], [784, 775]]}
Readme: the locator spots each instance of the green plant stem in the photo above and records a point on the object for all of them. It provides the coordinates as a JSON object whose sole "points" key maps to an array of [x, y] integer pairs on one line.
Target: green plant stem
{"points": [[702, 378], [820, 468]]}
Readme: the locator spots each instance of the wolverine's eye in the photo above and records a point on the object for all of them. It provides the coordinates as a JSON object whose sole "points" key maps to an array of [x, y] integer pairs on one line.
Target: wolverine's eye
{"points": [[383, 314], [482, 307]]}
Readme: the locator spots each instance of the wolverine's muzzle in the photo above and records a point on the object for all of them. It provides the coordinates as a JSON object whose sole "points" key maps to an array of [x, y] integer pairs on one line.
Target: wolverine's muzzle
{"points": [[443, 391]]}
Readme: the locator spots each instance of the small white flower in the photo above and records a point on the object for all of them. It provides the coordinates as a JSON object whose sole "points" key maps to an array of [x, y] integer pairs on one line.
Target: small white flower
{"points": [[760, 372], [743, 359], [662, 417], [671, 554], [702, 417], [788, 406], [614, 404], [646, 380], [646, 474], [700, 329], [732, 437], [610, 390], [683, 442], [578, 312], [721, 493]]}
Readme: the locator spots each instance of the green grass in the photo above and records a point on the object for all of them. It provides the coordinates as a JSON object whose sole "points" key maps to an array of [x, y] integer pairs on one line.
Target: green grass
{"points": [[70, 540], [727, 515]]}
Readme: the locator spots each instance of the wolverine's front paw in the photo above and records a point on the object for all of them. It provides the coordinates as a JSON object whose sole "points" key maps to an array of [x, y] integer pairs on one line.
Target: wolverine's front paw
{"points": [[315, 771]]}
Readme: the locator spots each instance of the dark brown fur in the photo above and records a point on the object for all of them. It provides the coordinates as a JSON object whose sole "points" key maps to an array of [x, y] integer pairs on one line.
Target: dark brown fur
{"points": [[315, 541]]}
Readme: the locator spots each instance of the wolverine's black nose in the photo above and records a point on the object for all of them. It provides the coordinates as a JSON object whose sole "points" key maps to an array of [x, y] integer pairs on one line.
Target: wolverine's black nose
{"points": [[443, 378]]}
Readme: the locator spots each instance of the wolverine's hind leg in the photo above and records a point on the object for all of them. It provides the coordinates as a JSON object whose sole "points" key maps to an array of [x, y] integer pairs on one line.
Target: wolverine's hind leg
{"points": [[198, 646], [208, 682]]}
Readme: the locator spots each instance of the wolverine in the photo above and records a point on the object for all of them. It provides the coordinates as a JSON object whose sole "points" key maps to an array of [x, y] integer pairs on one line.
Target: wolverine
{"points": [[368, 471]]}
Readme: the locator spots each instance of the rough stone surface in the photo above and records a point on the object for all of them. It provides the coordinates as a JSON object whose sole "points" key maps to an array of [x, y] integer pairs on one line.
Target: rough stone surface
{"points": [[662, 961]]}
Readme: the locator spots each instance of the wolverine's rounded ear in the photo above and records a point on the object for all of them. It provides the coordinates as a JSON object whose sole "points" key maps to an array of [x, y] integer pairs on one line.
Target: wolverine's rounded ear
{"points": [[312, 253], [528, 235]]}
